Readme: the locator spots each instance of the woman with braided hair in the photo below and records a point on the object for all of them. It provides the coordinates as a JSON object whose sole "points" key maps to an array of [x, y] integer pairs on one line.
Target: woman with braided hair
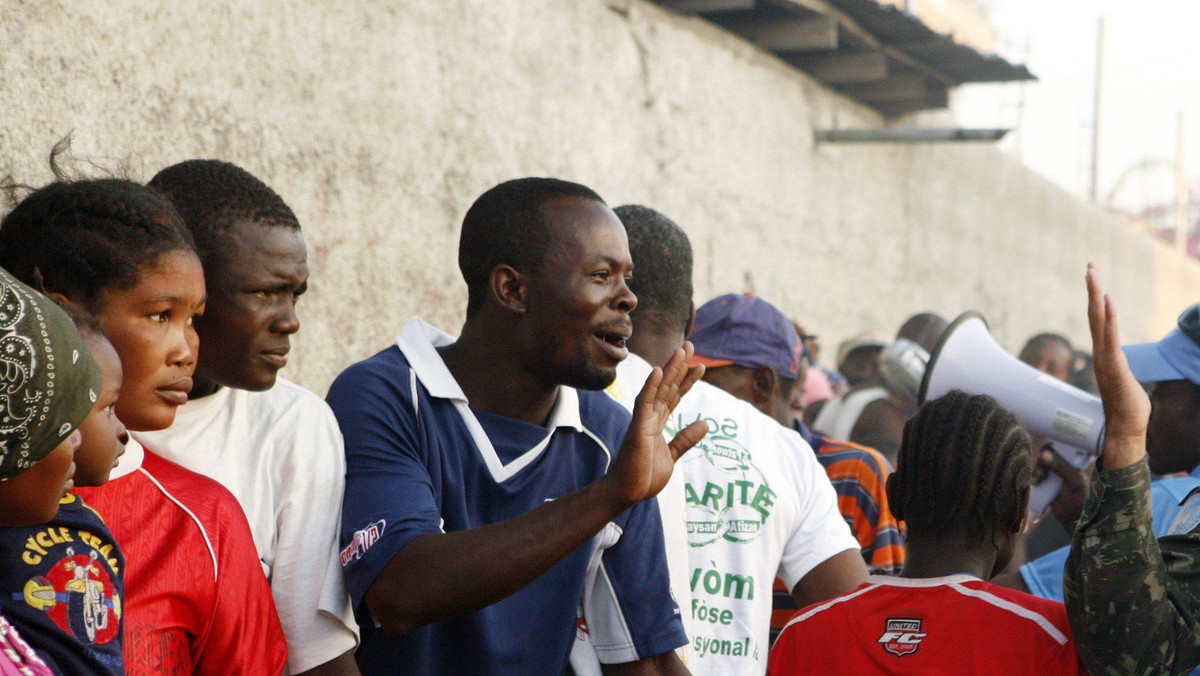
{"points": [[196, 598], [962, 484]]}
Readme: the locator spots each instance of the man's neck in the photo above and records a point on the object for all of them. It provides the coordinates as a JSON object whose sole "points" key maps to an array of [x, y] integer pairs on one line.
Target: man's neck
{"points": [[494, 382], [655, 348], [941, 557]]}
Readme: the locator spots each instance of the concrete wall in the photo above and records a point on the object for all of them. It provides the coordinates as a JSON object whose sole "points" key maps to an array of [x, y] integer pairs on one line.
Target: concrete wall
{"points": [[380, 122]]}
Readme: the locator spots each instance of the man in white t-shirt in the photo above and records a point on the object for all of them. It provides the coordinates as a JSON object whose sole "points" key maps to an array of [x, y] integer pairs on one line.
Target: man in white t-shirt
{"points": [[275, 445], [758, 504]]}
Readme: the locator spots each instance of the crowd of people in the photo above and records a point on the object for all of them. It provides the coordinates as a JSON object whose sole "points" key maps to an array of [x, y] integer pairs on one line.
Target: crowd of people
{"points": [[593, 475]]}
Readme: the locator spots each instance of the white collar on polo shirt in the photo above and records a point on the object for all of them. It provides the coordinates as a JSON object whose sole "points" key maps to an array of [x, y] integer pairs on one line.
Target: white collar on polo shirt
{"points": [[419, 340]]}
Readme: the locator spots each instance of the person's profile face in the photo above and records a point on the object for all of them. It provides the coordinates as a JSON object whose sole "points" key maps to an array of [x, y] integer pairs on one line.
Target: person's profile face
{"points": [[577, 313], [104, 435], [1173, 434], [254, 282], [150, 324]]}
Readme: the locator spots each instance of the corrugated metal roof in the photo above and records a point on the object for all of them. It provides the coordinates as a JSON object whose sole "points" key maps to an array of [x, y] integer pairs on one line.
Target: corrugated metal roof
{"points": [[940, 52], [876, 54]]}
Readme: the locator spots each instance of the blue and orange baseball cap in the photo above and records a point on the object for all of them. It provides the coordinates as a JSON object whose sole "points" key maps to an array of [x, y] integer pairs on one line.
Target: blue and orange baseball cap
{"points": [[748, 331], [1175, 357]]}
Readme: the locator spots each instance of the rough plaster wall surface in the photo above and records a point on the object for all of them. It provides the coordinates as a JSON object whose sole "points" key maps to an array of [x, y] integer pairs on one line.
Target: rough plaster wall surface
{"points": [[379, 123]]}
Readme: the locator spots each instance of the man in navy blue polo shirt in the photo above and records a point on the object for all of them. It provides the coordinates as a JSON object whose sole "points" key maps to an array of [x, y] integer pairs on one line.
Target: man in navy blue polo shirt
{"points": [[486, 474]]}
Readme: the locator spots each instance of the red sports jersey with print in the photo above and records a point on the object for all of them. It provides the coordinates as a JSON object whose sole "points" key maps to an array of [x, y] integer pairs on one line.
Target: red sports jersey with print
{"points": [[197, 601], [949, 625]]}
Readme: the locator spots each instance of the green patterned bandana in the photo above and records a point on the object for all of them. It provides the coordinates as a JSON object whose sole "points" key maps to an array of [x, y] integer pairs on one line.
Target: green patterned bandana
{"points": [[48, 381]]}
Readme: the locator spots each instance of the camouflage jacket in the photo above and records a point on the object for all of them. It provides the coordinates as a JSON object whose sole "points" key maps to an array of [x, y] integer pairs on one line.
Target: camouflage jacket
{"points": [[1133, 601]]}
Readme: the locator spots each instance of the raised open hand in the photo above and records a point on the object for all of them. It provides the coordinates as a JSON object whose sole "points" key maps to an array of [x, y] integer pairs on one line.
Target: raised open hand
{"points": [[646, 460], [1126, 406]]}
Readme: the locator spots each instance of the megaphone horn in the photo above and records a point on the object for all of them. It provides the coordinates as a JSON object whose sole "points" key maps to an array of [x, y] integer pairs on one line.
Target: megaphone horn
{"points": [[967, 358]]}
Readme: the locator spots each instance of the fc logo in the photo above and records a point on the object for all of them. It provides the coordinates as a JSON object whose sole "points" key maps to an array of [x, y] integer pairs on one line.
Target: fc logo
{"points": [[902, 636]]}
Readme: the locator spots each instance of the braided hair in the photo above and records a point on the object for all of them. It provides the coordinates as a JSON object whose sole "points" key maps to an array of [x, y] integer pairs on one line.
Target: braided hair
{"points": [[79, 238], [213, 197], [963, 470]]}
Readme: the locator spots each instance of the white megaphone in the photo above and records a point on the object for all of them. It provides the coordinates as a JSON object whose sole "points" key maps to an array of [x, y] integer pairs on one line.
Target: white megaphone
{"points": [[967, 358]]}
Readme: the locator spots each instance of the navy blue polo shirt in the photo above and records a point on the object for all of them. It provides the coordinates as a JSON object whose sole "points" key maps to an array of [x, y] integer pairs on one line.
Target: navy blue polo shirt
{"points": [[420, 461]]}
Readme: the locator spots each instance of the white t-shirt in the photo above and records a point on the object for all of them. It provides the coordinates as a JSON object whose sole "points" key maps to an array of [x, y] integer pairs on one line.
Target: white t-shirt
{"points": [[758, 505], [631, 376], [280, 453]]}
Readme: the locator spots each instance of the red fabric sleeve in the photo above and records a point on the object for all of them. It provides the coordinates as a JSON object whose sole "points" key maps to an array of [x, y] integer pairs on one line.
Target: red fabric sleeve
{"points": [[243, 636]]}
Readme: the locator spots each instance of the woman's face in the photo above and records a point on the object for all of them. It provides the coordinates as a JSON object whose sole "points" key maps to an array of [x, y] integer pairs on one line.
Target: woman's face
{"points": [[150, 326], [31, 498]]}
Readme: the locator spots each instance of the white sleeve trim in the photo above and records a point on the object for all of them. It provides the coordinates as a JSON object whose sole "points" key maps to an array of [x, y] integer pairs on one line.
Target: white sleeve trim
{"points": [[1015, 609], [827, 605], [203, 533], [610, 634]]}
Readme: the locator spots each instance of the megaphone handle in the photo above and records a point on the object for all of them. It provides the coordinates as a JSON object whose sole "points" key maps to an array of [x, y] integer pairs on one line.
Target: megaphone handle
{"points": [[1043, 494]]}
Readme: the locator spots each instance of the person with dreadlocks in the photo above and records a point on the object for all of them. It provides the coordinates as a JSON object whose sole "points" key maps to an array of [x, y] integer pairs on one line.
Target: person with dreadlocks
{"points": [[962, 484], [274, 444], [196, 599]]}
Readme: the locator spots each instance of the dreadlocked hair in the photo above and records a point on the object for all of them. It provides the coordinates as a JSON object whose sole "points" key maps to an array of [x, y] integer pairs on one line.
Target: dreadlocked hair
{"points": [[963, 469], [213, 197], [81, 237]]}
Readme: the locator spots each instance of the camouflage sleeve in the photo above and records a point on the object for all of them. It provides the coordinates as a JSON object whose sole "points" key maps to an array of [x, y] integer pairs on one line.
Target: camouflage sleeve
{"points": [[1128, 613]]}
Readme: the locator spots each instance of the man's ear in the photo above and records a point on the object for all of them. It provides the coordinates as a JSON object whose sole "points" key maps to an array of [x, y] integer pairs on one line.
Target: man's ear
{"points": [[1018, 523], [691, 322], [763, 383], [508, 288]]}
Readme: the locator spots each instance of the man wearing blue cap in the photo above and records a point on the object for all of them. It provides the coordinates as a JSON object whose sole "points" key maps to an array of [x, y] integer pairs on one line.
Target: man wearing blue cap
{"points": [[1134, 601], [752, 351]]}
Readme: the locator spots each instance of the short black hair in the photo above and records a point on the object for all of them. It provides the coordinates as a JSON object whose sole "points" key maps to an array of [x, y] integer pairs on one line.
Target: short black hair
{"points": [[963, 466], [662, 269], [1041, 340], [213, 197], [79, 238], [507, 226]]}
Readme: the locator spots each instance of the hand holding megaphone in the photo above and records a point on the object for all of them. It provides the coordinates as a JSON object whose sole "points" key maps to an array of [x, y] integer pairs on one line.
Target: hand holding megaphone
{"points": [[1060, 482]]}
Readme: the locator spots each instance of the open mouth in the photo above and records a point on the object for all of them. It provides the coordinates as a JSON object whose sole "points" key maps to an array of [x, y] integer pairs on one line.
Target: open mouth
{"points": [[617, 340], [614, 343]]}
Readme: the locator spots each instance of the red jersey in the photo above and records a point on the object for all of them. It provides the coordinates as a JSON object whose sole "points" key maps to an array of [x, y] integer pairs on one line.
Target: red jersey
{"points": [[197, 601], [946, 625]]}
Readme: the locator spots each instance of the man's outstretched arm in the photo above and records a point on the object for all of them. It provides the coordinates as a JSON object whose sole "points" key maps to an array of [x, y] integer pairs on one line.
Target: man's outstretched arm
{"points": [[443, 575]]}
